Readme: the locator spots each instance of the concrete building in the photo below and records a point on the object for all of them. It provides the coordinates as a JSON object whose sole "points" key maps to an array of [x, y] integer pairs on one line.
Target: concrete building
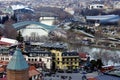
{"points": [[40, 59], [116, 5], [96, 6], [66, 60]]}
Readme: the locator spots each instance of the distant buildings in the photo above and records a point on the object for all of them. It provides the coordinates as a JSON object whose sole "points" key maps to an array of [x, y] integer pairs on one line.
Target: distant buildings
{"points": [[103, 19], [96, 6], [116, 5], [37, 58], [9, 0], [70, 11]]}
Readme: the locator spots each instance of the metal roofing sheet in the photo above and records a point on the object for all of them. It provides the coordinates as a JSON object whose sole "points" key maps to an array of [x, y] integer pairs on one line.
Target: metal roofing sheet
{"points": [[17, 62]]}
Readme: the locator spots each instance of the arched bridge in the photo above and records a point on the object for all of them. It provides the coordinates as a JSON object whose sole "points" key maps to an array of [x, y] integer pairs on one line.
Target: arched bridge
{"points": [[23, 24]]}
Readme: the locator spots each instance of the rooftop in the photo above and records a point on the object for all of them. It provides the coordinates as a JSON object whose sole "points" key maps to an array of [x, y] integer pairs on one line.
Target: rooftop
{"points": [[20, 25], [17, 62], [69, 54]]}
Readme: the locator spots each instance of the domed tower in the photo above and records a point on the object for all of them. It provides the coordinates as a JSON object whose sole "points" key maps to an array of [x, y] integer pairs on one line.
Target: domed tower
{"points": [[17, 68]]}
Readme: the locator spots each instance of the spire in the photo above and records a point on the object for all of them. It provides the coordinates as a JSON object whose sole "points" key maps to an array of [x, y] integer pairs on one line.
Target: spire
{"points": [[18, 61]]}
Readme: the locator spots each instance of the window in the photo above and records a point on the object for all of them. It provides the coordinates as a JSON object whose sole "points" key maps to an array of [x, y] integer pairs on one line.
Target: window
{"points": [[58, 59], [69, 59], [75, 59], [40, 60], [28, 59], [75, 62], [47, 60], [7, 59], [46, 55], [35, 59]]}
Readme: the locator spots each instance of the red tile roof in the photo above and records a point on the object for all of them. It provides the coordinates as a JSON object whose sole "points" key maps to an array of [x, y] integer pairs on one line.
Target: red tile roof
{"points": [[4, 43], [3, 62], [32, 68], [83, 56], [33, 73], [2, 69], [91, 79], [3, 78]]}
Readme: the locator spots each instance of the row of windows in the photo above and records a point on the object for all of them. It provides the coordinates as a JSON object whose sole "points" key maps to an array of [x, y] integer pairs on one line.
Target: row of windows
{"points": [[4, 58], [68, 63], [28, 59], [70, 54], [70, 59], [34, 54], [37, 59]]}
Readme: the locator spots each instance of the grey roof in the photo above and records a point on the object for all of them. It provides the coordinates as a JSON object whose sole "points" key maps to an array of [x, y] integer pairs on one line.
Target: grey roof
{"points": [[101, 17], [55, 45], [69, 54], [104, 18], [17, 61]]}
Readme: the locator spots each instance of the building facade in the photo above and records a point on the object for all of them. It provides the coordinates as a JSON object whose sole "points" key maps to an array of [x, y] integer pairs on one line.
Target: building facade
{"points": [[38, 58], [96, 6], [66, 60]]}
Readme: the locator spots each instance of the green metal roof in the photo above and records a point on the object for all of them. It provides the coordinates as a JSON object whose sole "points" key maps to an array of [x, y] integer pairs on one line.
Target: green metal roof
{"points": [[17, 61], [20, 25]]}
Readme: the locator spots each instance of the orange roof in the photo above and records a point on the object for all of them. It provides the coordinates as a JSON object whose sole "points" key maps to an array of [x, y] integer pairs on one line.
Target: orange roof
{"points": [[32, 68], [3, 78], [33, 73], [3, 62], [91, 79], [4, 43], [2, 69], [83, 55]]}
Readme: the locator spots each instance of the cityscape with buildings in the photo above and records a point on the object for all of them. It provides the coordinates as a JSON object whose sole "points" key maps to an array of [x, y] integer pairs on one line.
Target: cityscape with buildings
{"points": [[59, 39]]}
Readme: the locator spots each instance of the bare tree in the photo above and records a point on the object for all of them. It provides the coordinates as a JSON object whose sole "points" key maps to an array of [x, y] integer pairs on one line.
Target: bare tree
{"points": [[9, 31]]}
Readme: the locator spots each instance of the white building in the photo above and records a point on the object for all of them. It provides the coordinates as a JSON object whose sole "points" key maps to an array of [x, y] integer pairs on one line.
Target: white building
{"points": [[39, 59], [96, 6], [116, 5], [12, 41], [70, 10], [47, 20]]}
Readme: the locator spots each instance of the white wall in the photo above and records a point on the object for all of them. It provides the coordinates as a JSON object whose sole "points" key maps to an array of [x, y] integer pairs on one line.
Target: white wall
{"points": [[46, 60]]}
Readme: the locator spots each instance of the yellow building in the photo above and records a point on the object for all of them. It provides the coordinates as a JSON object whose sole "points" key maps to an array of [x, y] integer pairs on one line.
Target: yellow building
{"points": [[57, 58], [66, 60]]}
